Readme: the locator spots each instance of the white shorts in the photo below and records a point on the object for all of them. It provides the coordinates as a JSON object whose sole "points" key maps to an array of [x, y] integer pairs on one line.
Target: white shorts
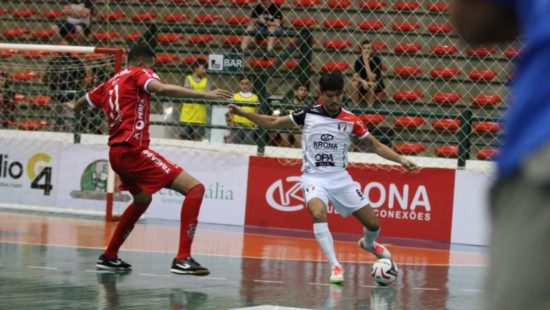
{"points": [[339, 188]]}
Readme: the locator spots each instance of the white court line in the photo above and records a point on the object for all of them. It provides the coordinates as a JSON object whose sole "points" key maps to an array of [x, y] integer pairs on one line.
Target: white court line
{"points": [[42, 267], [268, 281], [98, 271], [426, 288], [211, 278], [315, 283], [155, 275], [374, 286]]}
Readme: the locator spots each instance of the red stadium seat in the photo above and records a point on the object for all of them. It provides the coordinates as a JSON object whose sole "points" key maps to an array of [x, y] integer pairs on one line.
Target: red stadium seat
{"points": [[372, 119], [440, 28], [448, 124], [178, 1], [486, 100], [371, 25], [279, 2], [337, 44], [189, 60], [3, 11], [486, 153], [484, 127], [444, 73], [441, 50], [25, 13], [32, 124], [480, 52], [112, 16], [35, 54], [336, 23], [306, 3], [237, 20], [7, 53], [512, 52], [206, 19], [408, 148], [291, 63], [407, 71], [262, 63], [201, 39], [446, 98], [446, 151], [335, 66], [485, 75], [243, 2], [372, 5], [19, 98], [39, 101], [105, 36], [231, 40], [304, 22], [438, 7], [167, 58], [379, 45], [407, 48], [52, 14], [406, 5], [410, 122], [407, 95], [405, 26], [42, 34], [131, 37], [174, 18], [339, 4], [169, 38], [210, 1], [14, 33], [25, 76], [144, 17]]}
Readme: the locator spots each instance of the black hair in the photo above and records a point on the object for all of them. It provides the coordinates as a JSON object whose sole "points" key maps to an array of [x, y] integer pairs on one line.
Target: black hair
{"points": [[197, 63], [244, 77], [364, 42], [140, 52], [298, 85], [331, 81]]}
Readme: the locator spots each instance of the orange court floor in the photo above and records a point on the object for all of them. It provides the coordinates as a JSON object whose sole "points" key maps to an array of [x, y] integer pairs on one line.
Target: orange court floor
{"points": [[48, 262]]}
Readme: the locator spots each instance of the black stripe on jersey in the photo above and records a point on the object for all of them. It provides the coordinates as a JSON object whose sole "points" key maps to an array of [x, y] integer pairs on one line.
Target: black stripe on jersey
{"points": [[299, 116]]}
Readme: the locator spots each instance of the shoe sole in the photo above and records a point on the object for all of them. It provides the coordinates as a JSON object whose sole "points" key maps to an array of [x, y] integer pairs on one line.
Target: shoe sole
{"points": [[336, 281], [103, 267], [191, 273]]}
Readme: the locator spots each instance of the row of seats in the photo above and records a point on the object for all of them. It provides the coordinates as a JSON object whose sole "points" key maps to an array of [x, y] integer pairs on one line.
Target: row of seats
{"points": [[445, 150]]}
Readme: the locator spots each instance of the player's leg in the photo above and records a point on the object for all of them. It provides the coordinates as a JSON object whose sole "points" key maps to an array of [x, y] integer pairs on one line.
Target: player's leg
{"points": [[193, 190], [371, 229], [109, 259], [246, 39]]}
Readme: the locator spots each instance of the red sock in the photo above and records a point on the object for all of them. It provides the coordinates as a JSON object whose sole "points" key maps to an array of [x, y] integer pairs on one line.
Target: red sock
{"points": [[127, 221], [189, 218]]}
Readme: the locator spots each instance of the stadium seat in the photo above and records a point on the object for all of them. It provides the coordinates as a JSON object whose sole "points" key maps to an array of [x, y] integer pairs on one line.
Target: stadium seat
{"points": [[304, 22], [25, 13], [279, 2], [339, 4], [7, 52], [335, 66], [201, 39], [485, 75], [14, 33], [372, 5], [406, 5], [372, 119], [486, 126], [39, 101], [3, 11], [131, 37], [262, 63], [231, 40], [169, 38], [32, 124], [336, 23], [112, 16], [306, 3], [210, 1], [407, 48], [405, 26], [237, 20], [442, 50], [444, 73], [105, 36], [52, 14], [42, 34], [446, 98], [189, 60], [511, 52], [379, 45], [447, 124], [446, 151], [206, 19], [408, 71], [480, 52], [409, 148], [291, 63], [174, 18], [438, 7], [440, 28], [166, 58], [35, 54], [337, 44], [411, 122], [486, 153], [25, 76], [178, 1], [94, 56], [144, 17], [407, 95], [19, 98], [486, 100], [243, 2], [371, 25]]}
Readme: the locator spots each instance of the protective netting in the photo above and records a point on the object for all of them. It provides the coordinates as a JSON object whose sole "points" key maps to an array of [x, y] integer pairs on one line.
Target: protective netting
{"points": [[433, 97]]}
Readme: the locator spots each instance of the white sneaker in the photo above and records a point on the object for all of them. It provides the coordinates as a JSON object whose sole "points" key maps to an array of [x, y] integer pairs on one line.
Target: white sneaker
{"points": [[377, 249], [336, 275]]}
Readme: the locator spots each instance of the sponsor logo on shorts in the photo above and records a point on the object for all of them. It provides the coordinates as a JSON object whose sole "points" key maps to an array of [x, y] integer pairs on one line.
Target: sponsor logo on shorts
{"points": [[157, 161]]}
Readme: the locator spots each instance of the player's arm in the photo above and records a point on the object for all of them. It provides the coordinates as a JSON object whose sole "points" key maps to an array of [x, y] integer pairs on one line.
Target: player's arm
{"points": [[483, 22], [77, 105], [263, 121], [384, 151], [171, 90]]}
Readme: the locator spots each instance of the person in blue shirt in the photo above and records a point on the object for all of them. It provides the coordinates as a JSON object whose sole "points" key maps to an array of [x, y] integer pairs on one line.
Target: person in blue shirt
{"points": [[519, 273]]}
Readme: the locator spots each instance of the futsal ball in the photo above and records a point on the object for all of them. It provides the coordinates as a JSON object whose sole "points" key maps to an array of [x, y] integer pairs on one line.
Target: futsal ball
{"points": [[384, 271]]}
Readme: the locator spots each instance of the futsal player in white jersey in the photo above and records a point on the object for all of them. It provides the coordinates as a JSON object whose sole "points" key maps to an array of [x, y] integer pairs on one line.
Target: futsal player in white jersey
{"points": [[327, 130]]}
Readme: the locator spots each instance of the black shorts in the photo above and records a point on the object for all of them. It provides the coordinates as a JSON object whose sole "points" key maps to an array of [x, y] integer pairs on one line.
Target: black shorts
{"points": [[67, 28]]}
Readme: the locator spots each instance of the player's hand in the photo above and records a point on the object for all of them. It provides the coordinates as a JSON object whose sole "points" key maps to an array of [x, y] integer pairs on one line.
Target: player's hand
{"points": [[70, 105], [235, 109], [408, 165], [218, 94]]}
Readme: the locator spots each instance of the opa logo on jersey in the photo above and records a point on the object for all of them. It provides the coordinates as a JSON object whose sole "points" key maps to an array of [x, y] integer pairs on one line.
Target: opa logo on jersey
{"points": [[285, 195]]}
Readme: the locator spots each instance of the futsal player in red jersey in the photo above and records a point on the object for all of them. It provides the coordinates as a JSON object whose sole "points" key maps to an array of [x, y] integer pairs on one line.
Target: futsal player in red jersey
{"points": [[126, 100]]}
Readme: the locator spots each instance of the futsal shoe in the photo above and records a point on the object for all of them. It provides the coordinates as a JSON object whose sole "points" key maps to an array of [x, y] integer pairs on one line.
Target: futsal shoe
{"points": [[377, 249], [188, 266], [336, 275], [112, 264]]}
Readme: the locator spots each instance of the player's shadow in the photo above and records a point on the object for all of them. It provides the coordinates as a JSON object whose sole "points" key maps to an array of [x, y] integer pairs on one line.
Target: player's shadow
{"points": [[108, 297], [180, 299]]}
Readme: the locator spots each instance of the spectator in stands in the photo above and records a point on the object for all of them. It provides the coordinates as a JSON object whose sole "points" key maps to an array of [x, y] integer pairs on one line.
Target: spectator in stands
{"points": [[7, 104], [194, 116], [246, 134], [367, 81], [266, 21], [77, 24], [228, 131], [300, 100], [66, 78]]}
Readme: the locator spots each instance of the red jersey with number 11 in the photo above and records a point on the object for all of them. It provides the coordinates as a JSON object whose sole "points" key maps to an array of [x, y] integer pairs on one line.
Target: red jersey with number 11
{"points": [[127, 103]]}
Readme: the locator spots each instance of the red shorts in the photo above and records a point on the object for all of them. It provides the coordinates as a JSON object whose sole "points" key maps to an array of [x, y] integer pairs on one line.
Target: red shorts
{"points": [[141, 169]]}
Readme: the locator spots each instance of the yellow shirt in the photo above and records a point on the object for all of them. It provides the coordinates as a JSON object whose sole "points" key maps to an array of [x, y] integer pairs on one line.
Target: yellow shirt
{"points": [[245, 97], [195, 112]]}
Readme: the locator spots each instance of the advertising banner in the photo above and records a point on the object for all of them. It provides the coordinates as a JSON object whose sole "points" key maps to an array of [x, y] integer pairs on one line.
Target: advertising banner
{"points": [[409, 205]]}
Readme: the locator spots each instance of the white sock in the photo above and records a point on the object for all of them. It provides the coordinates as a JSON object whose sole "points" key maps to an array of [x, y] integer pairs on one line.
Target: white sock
{"points": [[324, 238], [370, 236]]}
